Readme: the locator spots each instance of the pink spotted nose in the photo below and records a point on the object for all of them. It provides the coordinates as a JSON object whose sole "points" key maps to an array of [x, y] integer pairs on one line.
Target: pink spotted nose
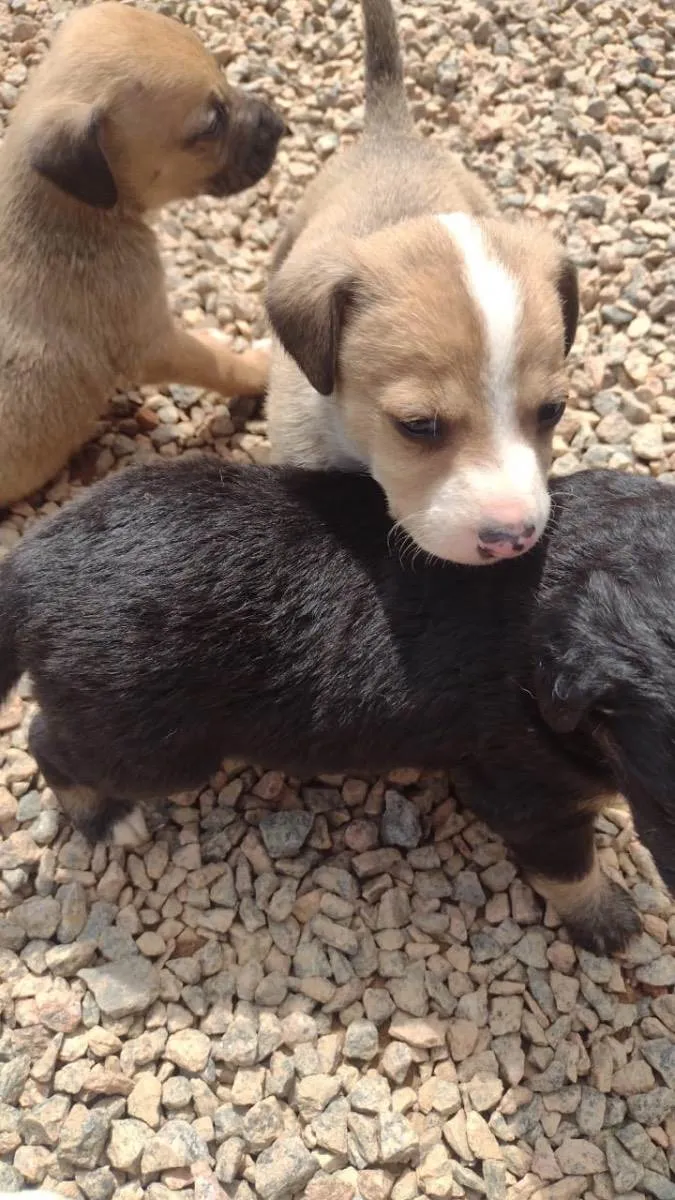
{"points": [[506, 541]]}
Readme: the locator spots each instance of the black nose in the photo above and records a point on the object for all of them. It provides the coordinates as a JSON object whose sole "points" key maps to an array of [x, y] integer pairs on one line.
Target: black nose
{"points": [[269, 127], [489, 535], [254, 136]]}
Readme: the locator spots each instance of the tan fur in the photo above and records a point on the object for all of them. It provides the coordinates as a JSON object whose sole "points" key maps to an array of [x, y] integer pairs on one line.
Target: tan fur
{"points": [[116, 121], [574, 897], [597, 912], [373, 317], [81, 806], [78, 803]]}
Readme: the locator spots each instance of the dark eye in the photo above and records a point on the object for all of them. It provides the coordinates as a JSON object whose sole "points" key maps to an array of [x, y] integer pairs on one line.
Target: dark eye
{"points": [[217, 123], [549, 414], [422, 429]]}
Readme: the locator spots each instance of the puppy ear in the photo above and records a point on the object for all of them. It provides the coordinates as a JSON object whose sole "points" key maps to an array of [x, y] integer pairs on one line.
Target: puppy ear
{"points": [[307, 304], [65, 148], [567, 285]]}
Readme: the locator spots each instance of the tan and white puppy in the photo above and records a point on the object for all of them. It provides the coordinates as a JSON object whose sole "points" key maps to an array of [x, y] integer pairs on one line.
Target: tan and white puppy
{"points": [[127, 112], [420, 334]]}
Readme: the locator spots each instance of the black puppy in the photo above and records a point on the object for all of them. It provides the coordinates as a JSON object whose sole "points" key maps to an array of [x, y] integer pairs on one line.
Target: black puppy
{"points": [[177, 614]]}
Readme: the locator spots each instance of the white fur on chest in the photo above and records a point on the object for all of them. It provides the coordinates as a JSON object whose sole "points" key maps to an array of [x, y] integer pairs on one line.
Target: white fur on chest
{"points": [[304, 428]]}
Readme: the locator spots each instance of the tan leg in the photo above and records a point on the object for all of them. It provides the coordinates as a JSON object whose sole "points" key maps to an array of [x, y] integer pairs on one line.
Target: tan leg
{"points": [[562, 865], [204, 360], [90, 811], [598, 913], [87, 811], [80, 805], [131, 831]]}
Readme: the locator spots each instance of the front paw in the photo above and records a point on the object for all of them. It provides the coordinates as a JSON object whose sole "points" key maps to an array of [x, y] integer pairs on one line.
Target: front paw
{"points": [[131, 831], [607, 925], [243, 374], [254, 370]]}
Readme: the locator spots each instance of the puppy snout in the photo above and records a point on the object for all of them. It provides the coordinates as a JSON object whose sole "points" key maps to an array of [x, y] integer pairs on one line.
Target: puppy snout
{"points": [[269, 126], [506, 540], [255, 133], [265, 130]]}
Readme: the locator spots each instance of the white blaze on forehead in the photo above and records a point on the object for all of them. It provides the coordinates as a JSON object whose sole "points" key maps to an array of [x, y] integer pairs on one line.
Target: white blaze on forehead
{"points": [[496, 295]]}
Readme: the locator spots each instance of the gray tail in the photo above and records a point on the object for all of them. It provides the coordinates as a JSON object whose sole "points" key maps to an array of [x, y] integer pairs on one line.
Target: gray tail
{"points": [[9, 662], [385, 89]]}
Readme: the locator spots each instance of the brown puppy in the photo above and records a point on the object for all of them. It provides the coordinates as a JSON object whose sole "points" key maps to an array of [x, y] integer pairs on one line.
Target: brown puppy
{"points": [[425, 334], [127, 112]]}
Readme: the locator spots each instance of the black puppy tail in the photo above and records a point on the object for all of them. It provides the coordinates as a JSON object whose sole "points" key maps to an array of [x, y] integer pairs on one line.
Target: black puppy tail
{"points": [[386, 103], [9, 615]]}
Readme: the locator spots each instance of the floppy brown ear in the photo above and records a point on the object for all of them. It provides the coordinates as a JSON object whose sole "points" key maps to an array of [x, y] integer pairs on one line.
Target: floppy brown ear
{"points": [[307, 303], [65, 148], [567, 284]]}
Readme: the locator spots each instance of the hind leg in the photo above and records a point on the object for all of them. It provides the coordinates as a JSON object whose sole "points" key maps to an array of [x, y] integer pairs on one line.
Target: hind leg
{"points": [[545, 812], [562, 865], [92, 813]]}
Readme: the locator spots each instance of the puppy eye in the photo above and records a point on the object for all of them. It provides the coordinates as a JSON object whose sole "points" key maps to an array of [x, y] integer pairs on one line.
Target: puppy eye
{"points": [[422, 429], [217, 122], [549, 414]]}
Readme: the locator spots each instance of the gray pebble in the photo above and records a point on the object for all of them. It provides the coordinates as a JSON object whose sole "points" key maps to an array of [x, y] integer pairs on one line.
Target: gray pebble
{"points": [[400, 824], [398, 1140], [660, 973], [468, 889], [531, 949], [626, 1173], [591, 1111], [239, 1045], [361, 1041], [284, 1168], [84, 1134], [285, 833], [13, 1076], [39, 916], [658, 1185], [123, 988], [660, 1053], [652, 1107], [175, 1145], [340, 937]]}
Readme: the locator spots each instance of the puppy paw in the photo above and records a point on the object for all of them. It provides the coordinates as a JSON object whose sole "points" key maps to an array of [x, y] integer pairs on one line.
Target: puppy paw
{"points": [[599, 915], [253, 372], [131, 831], [242, 374], [609, 923]]}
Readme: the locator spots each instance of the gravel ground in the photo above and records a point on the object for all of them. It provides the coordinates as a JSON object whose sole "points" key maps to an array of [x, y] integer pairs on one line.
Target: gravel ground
{"points": [[345, 988]]}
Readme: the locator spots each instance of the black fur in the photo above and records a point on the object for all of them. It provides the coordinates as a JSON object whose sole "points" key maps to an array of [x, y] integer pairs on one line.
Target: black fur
{"points": [[178, 614], [605, 635]]}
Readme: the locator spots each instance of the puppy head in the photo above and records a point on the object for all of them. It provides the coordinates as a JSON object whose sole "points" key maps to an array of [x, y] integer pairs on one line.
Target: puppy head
{"points": [[443, 341], [129, 105]]}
